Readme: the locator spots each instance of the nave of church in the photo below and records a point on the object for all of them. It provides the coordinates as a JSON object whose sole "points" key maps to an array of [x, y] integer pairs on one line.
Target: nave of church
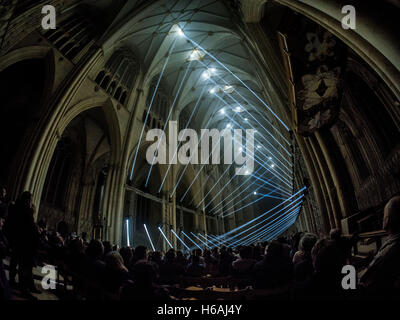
{"points": [[252, 146]]}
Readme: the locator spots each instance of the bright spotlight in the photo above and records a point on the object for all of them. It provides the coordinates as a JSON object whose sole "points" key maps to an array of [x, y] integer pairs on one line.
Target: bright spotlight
{"points": [[228, 125], [180, 32], [272, 165], [222, 110], [238, 109], [213, 70], [258, 147], [212, 90], [269, 158], [247, 172], [206, 75], [245, 119], [255, 193]]}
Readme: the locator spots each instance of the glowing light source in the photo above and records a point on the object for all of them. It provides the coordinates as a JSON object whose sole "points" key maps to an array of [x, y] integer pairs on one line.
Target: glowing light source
{"points": [[180, 32], [127, 233], [229, 125], [148, 235], [228, 89], [255, 193], [196, 55], [165, 237], [213, 70], [206, 75], [269, 158], [212, 90], [222, 111], [245, 119], [238, 109], [184, 244], [258, 147], [272, 165]]}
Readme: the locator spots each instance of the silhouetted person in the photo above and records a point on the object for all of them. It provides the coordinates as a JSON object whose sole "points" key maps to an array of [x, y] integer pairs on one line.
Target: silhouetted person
{"points": [[243, 266], [195, 268], [302, 260], [275, 270], [4, 287], [143, 286], [24, 238], [326, 281], [383, 273], [170, 270]]}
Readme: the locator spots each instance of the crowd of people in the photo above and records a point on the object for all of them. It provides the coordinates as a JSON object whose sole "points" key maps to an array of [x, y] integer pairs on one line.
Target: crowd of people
{"points": [[309, 267]]}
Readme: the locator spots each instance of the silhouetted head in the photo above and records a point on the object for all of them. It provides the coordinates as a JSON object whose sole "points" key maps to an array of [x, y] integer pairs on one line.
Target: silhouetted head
{"points": [[391, 217], [26, 198], [143, 274], [335, 234], [274, 250], [126, 254], [307, 242], [327, 257], [95, 249], [170, 255], [246, 252], [140, 253], [115, 261]]}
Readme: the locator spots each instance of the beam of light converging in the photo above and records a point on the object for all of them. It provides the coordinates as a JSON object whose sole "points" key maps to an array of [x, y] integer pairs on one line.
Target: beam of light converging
{"points": [[280, 227], [263, 196], [198, 173], [127, 233], [167, 120], [187, 124], [255, 109], [269, 223], [278, 161], [198, 46], [272, 185], [267, 226], [244, 109], [265, 213], [262, 187], [279, 176], [205, 244], [283, 228], [190, 239], [218, 211], [264, 221], [186, 166], [165, 237], [148, 236], [184, 244], [223, 174], [262, 136], [150, 106], [270, 227], [214, 238], [208, 239], [247, 180]]}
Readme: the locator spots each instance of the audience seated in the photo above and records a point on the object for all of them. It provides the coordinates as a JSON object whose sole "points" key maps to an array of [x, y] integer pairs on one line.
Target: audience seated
{"points": [[382, 277], [301, 267], [195, 268], [242, 267], [275, 270], [170, 270], [302, 261]]}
